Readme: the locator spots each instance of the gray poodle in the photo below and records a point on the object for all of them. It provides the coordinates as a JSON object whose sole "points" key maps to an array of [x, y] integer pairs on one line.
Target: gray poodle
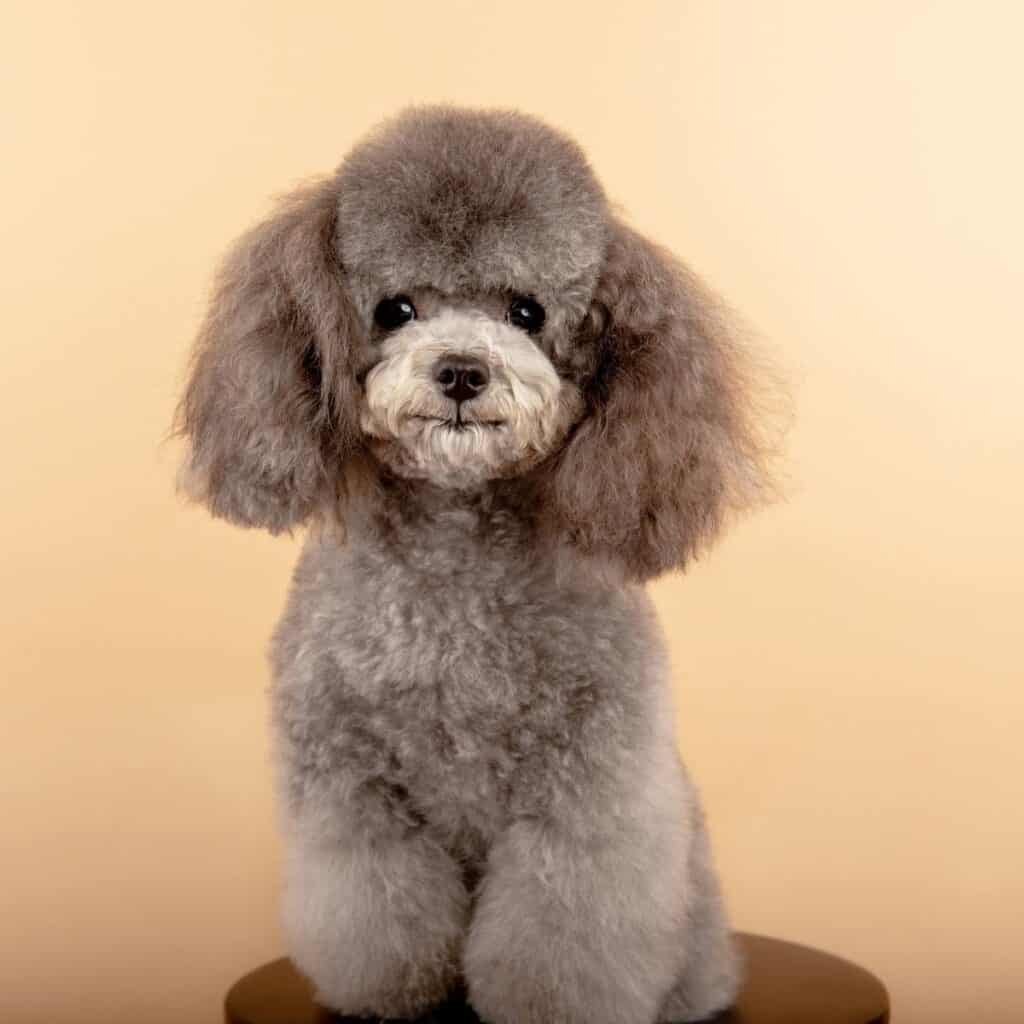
{"points": [[501, 410]]}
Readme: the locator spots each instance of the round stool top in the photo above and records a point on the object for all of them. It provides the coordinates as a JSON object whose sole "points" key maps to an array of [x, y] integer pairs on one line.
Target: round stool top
{"points": [[785, 984]]}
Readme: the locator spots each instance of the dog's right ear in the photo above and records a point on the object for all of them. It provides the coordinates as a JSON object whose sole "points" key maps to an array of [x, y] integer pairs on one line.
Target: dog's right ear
{"points": [[269, 409]]}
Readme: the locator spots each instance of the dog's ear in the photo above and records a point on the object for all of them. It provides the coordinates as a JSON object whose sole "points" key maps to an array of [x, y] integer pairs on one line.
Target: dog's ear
{"points": [[669, 444], [269, 409]]}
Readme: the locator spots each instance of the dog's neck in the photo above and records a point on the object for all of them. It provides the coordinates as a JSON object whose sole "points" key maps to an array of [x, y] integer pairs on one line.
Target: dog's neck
{"points": [[413, 506], [493, 531]]}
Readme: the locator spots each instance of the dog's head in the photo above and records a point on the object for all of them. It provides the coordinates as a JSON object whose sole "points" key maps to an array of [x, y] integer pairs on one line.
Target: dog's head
{"points": [[457, 304]]}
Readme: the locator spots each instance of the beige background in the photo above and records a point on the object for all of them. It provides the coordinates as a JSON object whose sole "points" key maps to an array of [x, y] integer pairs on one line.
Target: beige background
{"points": [[849, 664]]}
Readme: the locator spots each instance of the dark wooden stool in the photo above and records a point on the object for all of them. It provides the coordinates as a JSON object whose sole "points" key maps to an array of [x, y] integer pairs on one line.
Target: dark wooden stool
{"points": [[785, 984]]}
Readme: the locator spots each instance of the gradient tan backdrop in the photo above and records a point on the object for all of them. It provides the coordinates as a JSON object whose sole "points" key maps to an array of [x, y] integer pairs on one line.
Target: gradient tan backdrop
{"points": [[848, 664]]}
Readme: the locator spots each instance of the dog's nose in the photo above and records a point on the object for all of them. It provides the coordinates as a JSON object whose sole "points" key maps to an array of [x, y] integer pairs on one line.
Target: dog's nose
{"points": [[461, 378]]}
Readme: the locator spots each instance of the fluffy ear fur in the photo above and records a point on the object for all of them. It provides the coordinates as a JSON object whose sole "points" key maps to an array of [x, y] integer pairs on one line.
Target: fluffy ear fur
{"points": [[269, 410], [669, 445]]}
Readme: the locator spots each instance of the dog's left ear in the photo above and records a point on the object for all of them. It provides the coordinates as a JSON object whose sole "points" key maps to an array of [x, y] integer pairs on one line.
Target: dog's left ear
{"points": [[269, 410], [670, 445]]}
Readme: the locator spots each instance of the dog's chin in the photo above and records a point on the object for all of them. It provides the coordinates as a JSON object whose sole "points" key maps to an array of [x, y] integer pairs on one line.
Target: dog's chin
{"points": [[454, 452]]}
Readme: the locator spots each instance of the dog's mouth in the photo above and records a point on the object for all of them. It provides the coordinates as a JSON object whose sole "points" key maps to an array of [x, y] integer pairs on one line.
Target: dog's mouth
{"points": [[458, 423]]}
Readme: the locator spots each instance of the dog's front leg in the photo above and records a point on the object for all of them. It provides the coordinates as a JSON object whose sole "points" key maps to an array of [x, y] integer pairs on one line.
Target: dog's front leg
{"points": [[581, 923], [377, 923]]}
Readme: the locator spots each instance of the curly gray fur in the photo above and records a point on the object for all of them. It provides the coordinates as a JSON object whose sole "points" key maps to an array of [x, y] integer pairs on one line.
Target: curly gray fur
{"points": [[478, 777]]}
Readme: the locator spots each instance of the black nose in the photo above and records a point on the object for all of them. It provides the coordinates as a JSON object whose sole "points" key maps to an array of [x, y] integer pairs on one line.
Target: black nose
{"points": [[462, 379]]}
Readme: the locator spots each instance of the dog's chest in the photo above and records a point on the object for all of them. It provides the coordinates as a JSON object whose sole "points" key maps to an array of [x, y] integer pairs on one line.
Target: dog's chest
{"points": [[476, 678], [456, 677]]}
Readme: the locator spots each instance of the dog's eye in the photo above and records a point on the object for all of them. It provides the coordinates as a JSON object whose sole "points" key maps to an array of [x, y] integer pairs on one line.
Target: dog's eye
{"points": [[393, 312], [527, 314]]}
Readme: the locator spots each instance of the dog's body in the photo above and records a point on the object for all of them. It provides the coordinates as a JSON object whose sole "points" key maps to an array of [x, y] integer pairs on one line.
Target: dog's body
{"points": [[499, 712], [478, 774]]}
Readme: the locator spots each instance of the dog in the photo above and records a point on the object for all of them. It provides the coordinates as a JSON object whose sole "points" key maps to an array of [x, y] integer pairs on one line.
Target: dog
{"points": [[500, 410]]}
